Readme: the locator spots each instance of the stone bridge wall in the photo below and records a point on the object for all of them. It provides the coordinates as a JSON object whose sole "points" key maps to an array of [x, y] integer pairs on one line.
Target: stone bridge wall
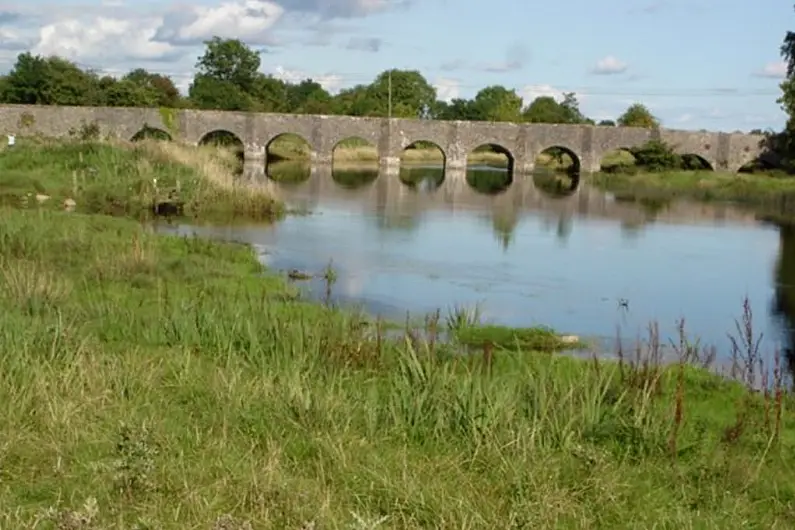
{"points": [[524, 142]]}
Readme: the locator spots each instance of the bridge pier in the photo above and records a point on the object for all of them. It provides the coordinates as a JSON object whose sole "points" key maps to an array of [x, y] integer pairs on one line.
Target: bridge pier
{"points": [[389, 165]]}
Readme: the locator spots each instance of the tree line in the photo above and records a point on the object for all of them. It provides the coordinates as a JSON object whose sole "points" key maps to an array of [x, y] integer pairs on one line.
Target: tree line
{"points": [[228, 77]]}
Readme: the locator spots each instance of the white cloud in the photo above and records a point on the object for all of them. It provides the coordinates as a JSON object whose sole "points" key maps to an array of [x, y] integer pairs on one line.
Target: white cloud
{"points": [[531, 92], [331, 82], [776, 70], [249, 20], [609, 66], [447, 89], [102, 39]]}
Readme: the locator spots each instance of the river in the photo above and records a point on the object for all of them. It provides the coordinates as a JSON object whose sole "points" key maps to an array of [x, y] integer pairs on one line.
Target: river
{"points": [[526, 259]]}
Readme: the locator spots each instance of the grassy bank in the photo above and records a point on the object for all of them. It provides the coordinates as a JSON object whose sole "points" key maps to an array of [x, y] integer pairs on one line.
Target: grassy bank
{"points": [[159, 382], [770, 195], [130, 179]]}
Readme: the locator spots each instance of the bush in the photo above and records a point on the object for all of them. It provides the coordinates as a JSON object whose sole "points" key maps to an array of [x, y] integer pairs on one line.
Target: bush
{"points": [[656, 156]]}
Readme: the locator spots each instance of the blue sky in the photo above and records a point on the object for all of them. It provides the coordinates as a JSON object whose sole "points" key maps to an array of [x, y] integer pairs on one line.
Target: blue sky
{"points": [[696, 63]]}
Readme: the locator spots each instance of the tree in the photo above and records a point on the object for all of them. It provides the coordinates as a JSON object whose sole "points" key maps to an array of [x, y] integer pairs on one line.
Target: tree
{"points": [[126, 93], [571, 109], [308, 97], [607, 123], [456, 109], [544, 109], [638, 115], [212, 93], [35, 80], [161, 87], [497, 103], [231, 61], [412, 94]]}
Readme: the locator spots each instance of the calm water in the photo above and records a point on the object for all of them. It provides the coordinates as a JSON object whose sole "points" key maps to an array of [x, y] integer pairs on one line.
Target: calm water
{"points": [[527, 259]]}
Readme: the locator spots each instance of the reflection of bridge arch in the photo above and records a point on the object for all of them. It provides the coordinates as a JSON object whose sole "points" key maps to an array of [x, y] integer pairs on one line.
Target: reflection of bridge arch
{"points": [[490, 168], [422, 165]]}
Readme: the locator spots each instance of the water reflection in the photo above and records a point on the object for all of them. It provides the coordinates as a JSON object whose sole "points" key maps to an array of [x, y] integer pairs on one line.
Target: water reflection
{"points": [[530, 259], [784, 304], [425, 178]]}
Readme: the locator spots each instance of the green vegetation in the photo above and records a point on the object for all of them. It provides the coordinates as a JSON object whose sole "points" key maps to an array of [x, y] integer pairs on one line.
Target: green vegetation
{"points": [[162, 382], [153, 381], [654, 173], [130, 179]]}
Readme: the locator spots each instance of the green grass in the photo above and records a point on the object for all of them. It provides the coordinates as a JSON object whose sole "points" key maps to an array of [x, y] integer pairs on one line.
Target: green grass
{"points": [[151, 381], [127, 179], [698, 185]]}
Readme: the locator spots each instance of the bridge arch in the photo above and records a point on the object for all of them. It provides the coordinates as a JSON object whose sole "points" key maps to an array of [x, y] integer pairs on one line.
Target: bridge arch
{"points": [[223, 139], [288, 158], [557, 171], [422, 165], [694, 162], [354, 162], [490, 168], [617, 160], [151, 133]]}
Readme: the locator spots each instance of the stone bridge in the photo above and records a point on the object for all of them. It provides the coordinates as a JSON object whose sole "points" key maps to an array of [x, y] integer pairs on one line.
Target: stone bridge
{"points": [[587, 144]]}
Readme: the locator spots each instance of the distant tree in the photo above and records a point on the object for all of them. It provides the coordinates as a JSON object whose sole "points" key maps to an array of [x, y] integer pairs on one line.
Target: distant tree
{"points": [[308, 97], [126, 93], [607, 123], [497, 103], [412, 94], [456, 109], [638, 115], [571, 108], [544, 109], [212, 93], [355, 101], [230, 61], [160, 86]]}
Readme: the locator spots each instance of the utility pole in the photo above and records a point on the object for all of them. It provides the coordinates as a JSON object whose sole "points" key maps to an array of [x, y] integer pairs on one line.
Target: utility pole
{"points": [[390, 93]]}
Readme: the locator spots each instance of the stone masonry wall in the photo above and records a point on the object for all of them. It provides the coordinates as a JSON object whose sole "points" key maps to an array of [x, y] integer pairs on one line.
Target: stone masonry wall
{"points": [[524, 142]]}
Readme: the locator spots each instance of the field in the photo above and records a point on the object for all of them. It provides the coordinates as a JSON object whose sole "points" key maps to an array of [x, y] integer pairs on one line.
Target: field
{"points": [[151, 381]]}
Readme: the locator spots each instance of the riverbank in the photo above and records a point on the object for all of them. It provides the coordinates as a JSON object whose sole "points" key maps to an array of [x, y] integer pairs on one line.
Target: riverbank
{"points": [[172, 382], [131, 179], [756, 189]]}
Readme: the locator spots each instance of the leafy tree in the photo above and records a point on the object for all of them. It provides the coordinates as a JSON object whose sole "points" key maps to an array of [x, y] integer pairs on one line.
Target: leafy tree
{"points": [[571, 109], [270, 94], [497, 103], [544, 109], [638, 115], [160, 86], [457, 109], [212, 93], [607, 123], [655, 156], [35, 80], [231, 61], [308, 97], [126, 93], [412, 94]]}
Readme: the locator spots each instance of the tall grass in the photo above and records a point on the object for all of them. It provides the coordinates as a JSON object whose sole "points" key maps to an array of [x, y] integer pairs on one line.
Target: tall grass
{"points": [[162, 382], [131, 178]]}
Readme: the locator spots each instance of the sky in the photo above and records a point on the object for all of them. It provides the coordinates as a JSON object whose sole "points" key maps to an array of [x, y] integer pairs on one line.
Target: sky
{"points": [[697, 64]]}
